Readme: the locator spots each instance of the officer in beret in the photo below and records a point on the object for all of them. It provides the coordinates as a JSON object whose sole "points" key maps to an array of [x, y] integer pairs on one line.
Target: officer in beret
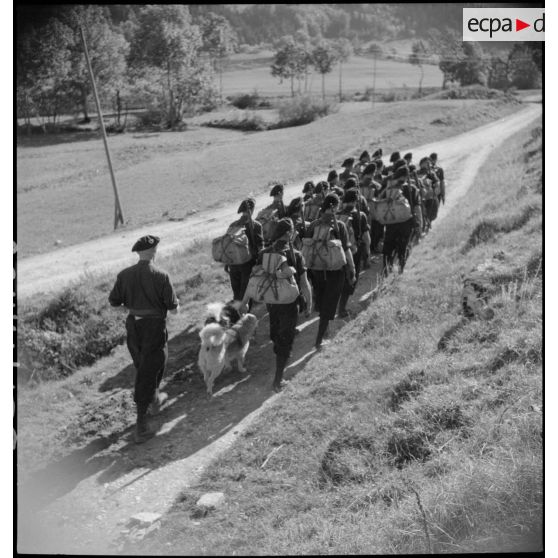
{"points": [[240, 273], [147, 293], [283, 317]]}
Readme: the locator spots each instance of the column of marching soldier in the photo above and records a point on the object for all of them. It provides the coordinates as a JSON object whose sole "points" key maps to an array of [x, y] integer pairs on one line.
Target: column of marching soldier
{"points": [[295, 257]]}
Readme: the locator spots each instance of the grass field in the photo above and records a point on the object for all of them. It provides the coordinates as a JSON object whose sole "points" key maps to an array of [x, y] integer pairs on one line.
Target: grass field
{"points": [[245, 75], [422, 431], [64, 191]]}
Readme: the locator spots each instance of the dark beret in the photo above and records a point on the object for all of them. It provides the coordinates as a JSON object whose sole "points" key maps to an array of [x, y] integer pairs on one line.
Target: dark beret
{"points": [[399, 163], [402, 172], [350, 183], [424, 160], [364, 155], [308, 187], [433, 156], [247, 205], [282, 227], [331, 200], [350, 196], [395, 156], [145, 242], [412, 167], [377, 154], [295, 206], [348, 162], [332, 175], [276, 190], [408, 156], [370, 169]]}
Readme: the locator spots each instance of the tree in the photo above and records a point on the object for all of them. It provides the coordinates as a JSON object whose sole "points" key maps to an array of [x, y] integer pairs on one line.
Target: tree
{"points": [[288, 61], [107, 51], [323, 59], [447, 44], [416, 58], [219, 41], [498, 77], [166, 49], [343, 51], [523, 70]]}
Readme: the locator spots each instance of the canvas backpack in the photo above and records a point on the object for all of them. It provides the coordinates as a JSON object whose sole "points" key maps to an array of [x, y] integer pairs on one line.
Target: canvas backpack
{"points": [[233, 248], [268, 218], [347, 219], [323, 251], [394, 208], [269, 284]]}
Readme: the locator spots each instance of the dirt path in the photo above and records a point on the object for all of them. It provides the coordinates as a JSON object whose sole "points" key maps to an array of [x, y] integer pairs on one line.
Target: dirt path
{"points": [[51, 271], [80, 503]]}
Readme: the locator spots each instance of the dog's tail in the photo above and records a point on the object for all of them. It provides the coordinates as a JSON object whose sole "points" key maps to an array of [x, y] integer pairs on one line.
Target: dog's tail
{"points": [[212, 335]]}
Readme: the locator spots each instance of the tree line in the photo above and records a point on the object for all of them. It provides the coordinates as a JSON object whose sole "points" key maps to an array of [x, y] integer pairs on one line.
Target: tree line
{"points": [[158, 58]]}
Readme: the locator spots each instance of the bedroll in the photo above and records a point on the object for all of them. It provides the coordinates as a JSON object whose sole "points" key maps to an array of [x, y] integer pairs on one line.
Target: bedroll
{"points": [[268, 219], [269, 284], [348, 220], [321, 252], [232, 248]]}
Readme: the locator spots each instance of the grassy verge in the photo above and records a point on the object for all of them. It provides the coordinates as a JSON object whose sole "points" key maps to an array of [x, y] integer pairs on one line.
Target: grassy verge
{"points": [[390, 441]]}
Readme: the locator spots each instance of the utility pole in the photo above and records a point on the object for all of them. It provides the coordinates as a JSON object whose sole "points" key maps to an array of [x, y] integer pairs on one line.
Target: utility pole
{"points": [[374, 80], [118, 217]]}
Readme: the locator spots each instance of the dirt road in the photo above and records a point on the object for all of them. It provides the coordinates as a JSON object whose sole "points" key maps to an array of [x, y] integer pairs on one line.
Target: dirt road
{"points": [[54, 270], [80, 503]]}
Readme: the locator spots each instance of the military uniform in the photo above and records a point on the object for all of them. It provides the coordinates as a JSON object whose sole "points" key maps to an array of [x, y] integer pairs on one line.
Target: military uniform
{"points": [[148, 294]]}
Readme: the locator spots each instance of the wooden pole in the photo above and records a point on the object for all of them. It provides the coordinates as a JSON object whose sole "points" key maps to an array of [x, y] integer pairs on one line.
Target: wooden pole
{"points": [[118, 216], [374, 81]]}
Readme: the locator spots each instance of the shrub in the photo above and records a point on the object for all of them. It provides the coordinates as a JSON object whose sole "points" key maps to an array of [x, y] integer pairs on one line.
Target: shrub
{"points": [[249, 122], [249, 101], [303, 110], [75, 329]]}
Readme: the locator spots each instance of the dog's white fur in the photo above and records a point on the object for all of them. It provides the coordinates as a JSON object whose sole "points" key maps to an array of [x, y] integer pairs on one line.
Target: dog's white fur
{"points": [[221, 348]]}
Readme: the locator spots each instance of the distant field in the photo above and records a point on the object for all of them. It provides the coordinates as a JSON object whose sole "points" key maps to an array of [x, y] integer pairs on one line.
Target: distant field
{"points": [[249, 74]]}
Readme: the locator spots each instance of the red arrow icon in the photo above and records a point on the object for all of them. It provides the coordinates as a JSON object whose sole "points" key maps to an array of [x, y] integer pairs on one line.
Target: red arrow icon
{"points": [[519, 25]]}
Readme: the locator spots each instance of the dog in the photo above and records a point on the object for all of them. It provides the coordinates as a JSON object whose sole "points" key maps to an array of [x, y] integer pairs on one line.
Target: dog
{"points": [[225, 339]]}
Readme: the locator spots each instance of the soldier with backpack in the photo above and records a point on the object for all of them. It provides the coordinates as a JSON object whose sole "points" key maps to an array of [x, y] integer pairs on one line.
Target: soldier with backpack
{"points": [[332, 180], [269, 215], [371, 189], [358, 230], [398, 235], [239, 273], [430, 187], [308, 190], [348, 165], [295, 211], [326, 251], [439, 172], [313, 206], [282, 263]]}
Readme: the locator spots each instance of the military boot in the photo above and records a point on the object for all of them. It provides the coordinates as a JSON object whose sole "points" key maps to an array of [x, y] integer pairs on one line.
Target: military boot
{"points": [[143, 432]]}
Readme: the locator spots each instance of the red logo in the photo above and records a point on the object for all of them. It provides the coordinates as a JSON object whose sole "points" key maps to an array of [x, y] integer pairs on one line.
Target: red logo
{"points": [[519, 25]]}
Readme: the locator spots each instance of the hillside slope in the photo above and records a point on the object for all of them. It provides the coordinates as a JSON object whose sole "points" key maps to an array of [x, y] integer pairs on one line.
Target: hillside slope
{"points": [[420, 430]]}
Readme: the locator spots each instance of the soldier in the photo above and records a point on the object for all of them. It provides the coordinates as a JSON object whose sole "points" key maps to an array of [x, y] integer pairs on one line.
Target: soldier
{"points": [[332, 180], [308, 190], [348, 165], [359, 237], [439, 172], [148, 294], [240, 273]]}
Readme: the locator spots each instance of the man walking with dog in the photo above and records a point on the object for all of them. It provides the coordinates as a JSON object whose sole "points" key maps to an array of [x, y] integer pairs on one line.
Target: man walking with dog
{"points": [[147, 293]]}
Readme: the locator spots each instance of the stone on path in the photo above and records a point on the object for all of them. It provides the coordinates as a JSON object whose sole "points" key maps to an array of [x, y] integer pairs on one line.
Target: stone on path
{"points": [[211, 500], [144, 519]]}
